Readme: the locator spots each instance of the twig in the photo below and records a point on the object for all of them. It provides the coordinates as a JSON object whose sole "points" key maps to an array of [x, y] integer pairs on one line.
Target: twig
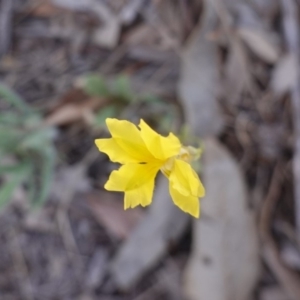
{"points": [[20, 265], [269, 205], [234, 40], [223, 15], [288, 278], [291, 32], [286, 229]]}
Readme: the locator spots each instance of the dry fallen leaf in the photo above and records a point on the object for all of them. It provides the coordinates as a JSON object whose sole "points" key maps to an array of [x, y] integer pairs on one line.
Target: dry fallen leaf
{"points": [[107, 35], [72, 107], [199, 79], [237, 74], [70, 113], [149, 241], [47, 9], [142, 35], [285, 74], [273, 293], [111, 214], [224, 264], [290, 256], [259, 42]]}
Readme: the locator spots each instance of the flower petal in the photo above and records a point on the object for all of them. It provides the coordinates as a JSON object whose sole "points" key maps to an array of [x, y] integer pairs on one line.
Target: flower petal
{"points": [[131, 177], [161, 147], [140, 196], [128, 137], [114, 151], [189, 204], [185, 180]]}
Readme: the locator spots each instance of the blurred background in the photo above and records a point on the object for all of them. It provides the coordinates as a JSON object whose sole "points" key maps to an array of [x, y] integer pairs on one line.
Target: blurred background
{"points": [[223, 74]]}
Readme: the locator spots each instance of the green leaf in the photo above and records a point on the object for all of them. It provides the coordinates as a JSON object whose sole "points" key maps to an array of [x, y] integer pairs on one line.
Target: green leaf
{"points": [[15, 180], [122, 89], [33, 121], [166, 122], [22, 136], [6, 169], [38, 140], [109, 111], [95, 85], [45, 172], [9, 138], [9, 119], [14, 99], [151, 99]]}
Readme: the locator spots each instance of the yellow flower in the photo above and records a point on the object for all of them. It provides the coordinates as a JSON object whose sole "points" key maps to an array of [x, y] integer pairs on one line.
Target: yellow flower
{"points": [[142, 153]]}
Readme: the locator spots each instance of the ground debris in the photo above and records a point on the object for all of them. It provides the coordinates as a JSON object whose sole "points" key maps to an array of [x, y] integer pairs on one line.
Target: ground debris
{"points": [[150, 240], [220, 266], [232, 65]]}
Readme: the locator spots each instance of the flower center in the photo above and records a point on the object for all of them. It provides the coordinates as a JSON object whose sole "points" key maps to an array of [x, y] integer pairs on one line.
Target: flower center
{"points": [[186, 154]]}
